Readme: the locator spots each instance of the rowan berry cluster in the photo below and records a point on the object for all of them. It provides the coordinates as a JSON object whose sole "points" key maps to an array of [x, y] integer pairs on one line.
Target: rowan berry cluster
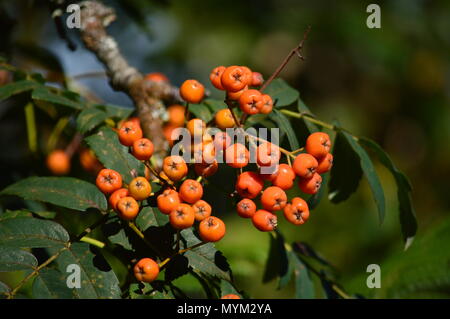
{"points": [[181, 196]]}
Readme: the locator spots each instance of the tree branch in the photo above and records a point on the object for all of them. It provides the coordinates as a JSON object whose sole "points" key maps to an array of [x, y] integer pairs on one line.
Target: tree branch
{"points": [[148, 96]]}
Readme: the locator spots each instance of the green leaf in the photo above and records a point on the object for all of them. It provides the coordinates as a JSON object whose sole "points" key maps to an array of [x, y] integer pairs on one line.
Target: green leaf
{"points": [[371, 175], [201, 111], [13, 259], [15, 214], [43, 93], [51, 284], [16, 87], [150, 216], [215, 105], [304, 286], [32, 233], [282, 94], [89, 119], [277, 265], [116, 234], [303, 109], [66, 192], [98, 280], [114, 155], [205, 259], [346, 171], [285, 126], [408, 219], [115, 111], [227, 288]]}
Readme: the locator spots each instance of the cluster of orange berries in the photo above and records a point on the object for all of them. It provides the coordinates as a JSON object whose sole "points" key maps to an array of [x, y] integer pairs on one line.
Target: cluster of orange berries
{"points": [[183, 207], [306, 166]]}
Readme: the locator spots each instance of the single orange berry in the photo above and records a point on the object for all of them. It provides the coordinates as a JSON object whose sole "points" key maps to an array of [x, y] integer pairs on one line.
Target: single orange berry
{"points": [[146, 270], [264, 220], [257, 79], [108, 180], [211, 229], [234, 78], [192, 91], [325, 164], [142, 149], [191, 191], [175, 167], [116, 196], [305, 165], [215, 77], [168, 201], [237, 155], [318, 144], [251, 102], [246, 208], [296, 212], [58, 162], [249, 184], [182, 217], [127, 208], [311, 185], [273, 198], [129, 132], [140, 188], [202, 210], [176, 115], [224, 119], [267, 104], [156, 77]]}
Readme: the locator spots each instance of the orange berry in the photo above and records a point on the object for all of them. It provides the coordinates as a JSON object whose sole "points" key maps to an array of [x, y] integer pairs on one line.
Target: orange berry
{"points": [[268, 154], [127, 208], [108, 180], [248, 74], [267, 104], [192, 91], [167, 132], [284, 177], [273, 198], [58, 162], [204, 152], [156, 77], [191, 191], [142, 149], [237, 155], [325, 164], [224, 119], [129, 132], [249, 184], [211, 229], [206, 169], [257, 79], [140, 188], [264, 220], [196, 127], [311, 185], [89, 161], [251, 102], [318, 144], [215, 77], [246, 208], [236, 95], [202, 210], [296, 212], [146, 270], [176, 115], [234, 78], [175, 167], [305, 165], [116, 196], [168, 201], [182, 217]]}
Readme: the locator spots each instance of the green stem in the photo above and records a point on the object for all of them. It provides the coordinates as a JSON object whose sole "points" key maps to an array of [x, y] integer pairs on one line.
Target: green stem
{"points": [[92, 241], [54, 136], [31, 127]]}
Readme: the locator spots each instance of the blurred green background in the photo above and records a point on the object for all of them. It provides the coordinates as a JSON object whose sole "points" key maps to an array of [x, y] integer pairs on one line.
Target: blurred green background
{"points": [[390, 84]]}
